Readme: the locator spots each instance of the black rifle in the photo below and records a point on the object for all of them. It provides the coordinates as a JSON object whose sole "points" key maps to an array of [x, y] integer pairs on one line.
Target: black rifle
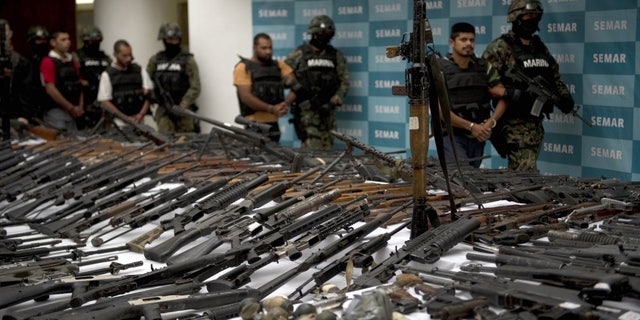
{"points": [[100, 199], [237, 217], [214, 208], [539, 89], [426, 248], [264, 242], [78, 185], [226, 312], [57, 307], [24, 292], [545, 301], [152, 307], [241, 275], [594, 286], [102, 209], [143, 129], [360, 255], [201, 190]]}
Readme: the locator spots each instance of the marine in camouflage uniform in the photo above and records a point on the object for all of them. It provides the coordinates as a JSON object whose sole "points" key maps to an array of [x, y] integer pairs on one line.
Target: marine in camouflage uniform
{"points": [[322, 72], [519, 134], [176, 71]]}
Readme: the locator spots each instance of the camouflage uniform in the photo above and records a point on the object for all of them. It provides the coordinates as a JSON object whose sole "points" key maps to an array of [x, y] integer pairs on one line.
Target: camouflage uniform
{"points": [[521, 132], [189, 83], [322, 90]]}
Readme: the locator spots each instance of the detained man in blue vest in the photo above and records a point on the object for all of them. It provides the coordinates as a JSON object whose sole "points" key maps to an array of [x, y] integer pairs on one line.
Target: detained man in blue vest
{"points": [[472, 83], [124, 85]]}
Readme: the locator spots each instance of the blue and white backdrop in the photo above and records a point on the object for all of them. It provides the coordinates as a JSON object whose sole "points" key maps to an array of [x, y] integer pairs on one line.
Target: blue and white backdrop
{"points": [[596, 43]]}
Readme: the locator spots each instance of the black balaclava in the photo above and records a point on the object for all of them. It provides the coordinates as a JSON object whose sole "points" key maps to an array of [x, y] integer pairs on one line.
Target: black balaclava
{"points": [[321, 40], [171, 49], [525, 28], [39, 49], [92, 49]]}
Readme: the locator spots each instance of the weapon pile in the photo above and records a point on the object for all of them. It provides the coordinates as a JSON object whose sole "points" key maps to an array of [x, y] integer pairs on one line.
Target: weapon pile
{"points": [[216, 219]]}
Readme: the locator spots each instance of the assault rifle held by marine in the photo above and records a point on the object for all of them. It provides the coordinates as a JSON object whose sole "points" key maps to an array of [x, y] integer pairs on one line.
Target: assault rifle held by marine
{"points": [[541, 90]]}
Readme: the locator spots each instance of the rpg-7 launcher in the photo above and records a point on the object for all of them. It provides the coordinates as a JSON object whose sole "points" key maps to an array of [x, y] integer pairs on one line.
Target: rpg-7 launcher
{"points": [[143, 129], [541, 90]]}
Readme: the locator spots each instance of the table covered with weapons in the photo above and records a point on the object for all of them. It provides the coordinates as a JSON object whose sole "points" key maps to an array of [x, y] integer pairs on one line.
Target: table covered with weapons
{"points": [[127, 224]]}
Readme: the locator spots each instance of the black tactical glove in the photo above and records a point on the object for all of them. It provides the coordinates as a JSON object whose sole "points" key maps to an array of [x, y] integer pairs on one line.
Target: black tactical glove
{"points": [[512, 94], [565, 103]]}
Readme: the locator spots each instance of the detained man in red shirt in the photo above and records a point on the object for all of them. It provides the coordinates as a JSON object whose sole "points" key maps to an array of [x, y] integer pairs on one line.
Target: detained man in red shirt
{"points": [[61, 77]]}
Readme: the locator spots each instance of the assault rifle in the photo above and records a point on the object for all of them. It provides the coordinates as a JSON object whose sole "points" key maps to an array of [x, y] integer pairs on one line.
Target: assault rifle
{"points": [[74, 225], [143, 129], [99, 199], [426, 248], [106, 164], [594, 286], [276, 236], [317, 257], [544, 301], [541, 90], [212, 263], [78, 184], [152, 307], [344, 218], [55, 308], [360, 257], [224, 214], [237, 224]]}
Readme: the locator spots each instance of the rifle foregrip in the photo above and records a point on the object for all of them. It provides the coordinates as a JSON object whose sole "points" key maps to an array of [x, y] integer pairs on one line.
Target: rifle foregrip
{"points": [[137, 244], [443, 238], [164, 250]]}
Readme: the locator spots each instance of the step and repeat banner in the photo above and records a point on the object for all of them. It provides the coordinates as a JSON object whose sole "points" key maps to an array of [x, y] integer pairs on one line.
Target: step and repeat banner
{"points": [[596, 43]]}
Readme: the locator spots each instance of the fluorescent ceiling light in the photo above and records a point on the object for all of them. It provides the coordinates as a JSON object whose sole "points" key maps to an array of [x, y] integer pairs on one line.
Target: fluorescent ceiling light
{"points": [[84, 1]]}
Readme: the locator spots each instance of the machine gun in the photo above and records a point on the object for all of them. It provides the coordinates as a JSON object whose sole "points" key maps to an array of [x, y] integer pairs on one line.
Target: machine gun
{"points": [[541, 90]]}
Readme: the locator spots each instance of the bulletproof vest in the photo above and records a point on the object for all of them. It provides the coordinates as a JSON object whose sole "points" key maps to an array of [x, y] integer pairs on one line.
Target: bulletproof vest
{"points": [[127, 91], [318, 73], [533, 61], [266, 83], [171, 72], [468, 89], [90, 69], [67, 80]]}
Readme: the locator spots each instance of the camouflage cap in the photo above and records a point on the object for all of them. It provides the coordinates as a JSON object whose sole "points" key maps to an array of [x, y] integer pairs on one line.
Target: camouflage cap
{"points": [[321, 23], [37, 32], [520, 7], [91, 33], [169, 30]]}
